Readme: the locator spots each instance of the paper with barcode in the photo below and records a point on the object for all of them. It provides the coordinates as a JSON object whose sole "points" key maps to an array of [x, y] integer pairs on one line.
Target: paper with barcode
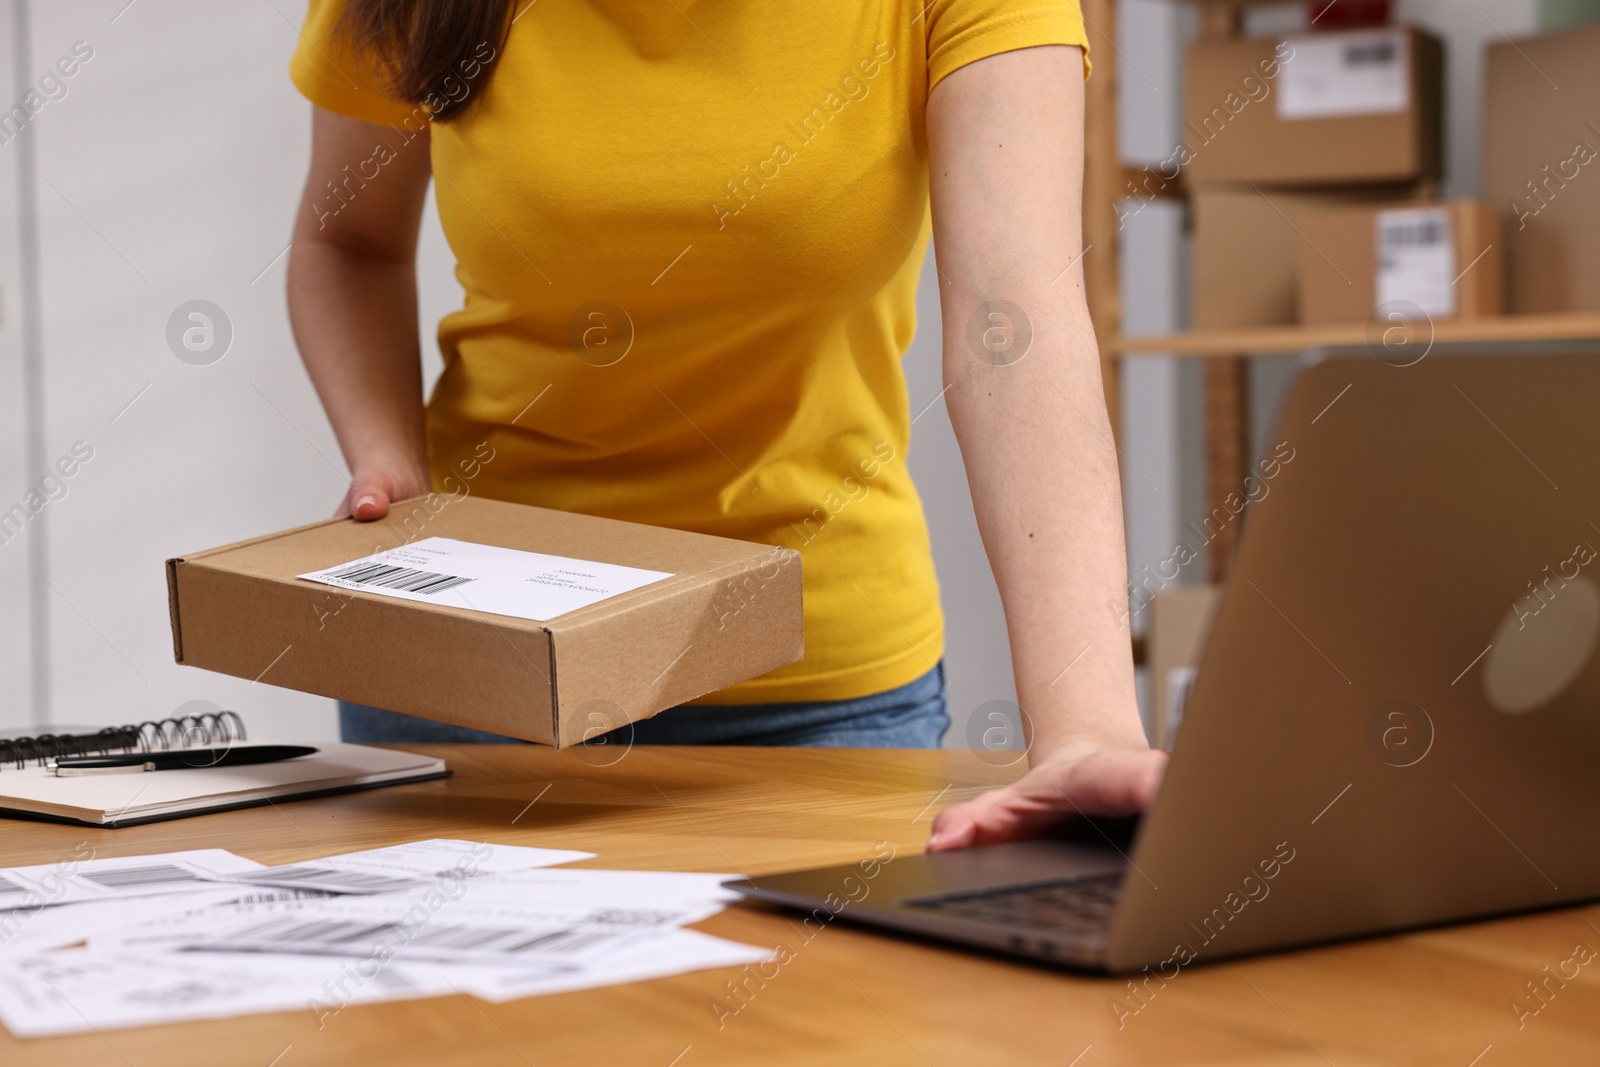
{"points": [[1336, 75], [414, 865], [499, 581], [372, 927], [457, 917], [76, 878], [81, 990], [88, 990], [1417, 259], [31, 932], [465, 922], [513, 902]]}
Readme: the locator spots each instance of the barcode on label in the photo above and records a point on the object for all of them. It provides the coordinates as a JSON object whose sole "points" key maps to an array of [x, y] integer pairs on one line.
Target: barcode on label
{"points": [[276, 896], [351, 934], [333, 878], [1371, 54], [126, 877], [405, 579], [562, 942], [1415, 234], [1337, 76], [629, 917]]}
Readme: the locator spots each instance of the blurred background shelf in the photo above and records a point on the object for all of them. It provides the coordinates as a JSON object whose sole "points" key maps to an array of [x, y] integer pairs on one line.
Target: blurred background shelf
{"points": [[1269, 340], [1253, 201]]}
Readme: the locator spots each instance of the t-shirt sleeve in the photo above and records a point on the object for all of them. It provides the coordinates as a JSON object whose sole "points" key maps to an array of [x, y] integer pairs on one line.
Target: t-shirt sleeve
{"points": [[335, 77], [965, 31]]}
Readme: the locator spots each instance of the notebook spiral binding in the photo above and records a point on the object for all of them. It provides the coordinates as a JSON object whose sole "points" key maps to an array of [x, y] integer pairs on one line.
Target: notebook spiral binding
{"points": [[223, 727]]}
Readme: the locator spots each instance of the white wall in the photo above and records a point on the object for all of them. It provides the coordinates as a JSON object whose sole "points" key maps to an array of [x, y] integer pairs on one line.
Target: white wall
{"points": [[1467, 29], [169, 172], [16, 556], [1162, 474], [182, 144]]}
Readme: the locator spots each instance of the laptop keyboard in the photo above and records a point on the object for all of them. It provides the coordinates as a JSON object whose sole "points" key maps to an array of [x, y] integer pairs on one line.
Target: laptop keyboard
{"points": [[1074, 906]]}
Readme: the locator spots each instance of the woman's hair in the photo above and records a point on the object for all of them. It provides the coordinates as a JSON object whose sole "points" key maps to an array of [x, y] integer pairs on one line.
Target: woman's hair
{"points": [[437, 53]]}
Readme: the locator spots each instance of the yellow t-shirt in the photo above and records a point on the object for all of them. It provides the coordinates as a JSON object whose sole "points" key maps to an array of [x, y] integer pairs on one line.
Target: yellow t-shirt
{"points": [[690, 237]]}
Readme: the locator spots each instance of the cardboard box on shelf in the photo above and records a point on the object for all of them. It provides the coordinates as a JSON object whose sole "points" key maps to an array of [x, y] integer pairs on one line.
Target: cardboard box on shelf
{"points": [[1315, 109], [1180, 619], [1439, 261], [538, 624], [1246, 243], [1542, 167]]}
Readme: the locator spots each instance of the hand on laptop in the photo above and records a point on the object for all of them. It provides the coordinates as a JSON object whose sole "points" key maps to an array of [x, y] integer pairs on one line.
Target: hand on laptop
{"points": [[1084, 778]]}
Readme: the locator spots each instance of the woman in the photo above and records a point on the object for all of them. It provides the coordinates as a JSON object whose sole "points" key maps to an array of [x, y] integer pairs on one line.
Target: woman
{"points": [[690, 235]]}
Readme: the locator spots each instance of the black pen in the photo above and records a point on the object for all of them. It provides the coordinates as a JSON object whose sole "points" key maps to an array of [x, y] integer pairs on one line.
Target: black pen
{"points": [[183, 759]]}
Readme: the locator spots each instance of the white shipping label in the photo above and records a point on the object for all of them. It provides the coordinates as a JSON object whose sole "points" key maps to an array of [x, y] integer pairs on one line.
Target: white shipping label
{"points": [[500, 581], [1417, 259], [1336, 75]]}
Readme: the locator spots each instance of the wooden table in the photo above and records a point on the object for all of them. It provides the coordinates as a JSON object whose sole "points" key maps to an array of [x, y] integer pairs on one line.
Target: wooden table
{"points": [[848, 996]]}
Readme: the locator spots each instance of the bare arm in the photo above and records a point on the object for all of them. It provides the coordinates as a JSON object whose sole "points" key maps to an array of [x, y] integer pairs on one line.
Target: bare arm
{"points": [[353, 303], [1006, 160]]}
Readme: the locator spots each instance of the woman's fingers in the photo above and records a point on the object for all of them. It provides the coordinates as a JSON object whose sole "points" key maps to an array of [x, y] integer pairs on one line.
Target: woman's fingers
{"points": [[1109, 782], [367, 499], [373, 490], [368, 502]]}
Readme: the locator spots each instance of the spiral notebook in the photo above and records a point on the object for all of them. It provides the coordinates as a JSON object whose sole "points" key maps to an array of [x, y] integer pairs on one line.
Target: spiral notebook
{"points": [[29, 789]]}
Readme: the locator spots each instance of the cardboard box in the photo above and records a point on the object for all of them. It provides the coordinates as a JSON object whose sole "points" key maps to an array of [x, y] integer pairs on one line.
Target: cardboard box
{"points": [[1315, 109], [1542, 166], [1180, 619], [1443, 259], [727, 611], [1246, 244]]}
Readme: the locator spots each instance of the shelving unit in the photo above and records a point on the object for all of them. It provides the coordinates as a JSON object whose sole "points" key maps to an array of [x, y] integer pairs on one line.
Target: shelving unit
{"points": [[1225, 351], [1270, 340], [1102, 187]]}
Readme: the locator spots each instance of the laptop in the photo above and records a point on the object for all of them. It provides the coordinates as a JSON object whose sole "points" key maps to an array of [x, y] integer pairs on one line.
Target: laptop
{"points": [[1396, 719]]}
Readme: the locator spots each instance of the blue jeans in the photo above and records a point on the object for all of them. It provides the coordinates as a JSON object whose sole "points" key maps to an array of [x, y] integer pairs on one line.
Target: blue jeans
{"points": [[912, 716]]}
